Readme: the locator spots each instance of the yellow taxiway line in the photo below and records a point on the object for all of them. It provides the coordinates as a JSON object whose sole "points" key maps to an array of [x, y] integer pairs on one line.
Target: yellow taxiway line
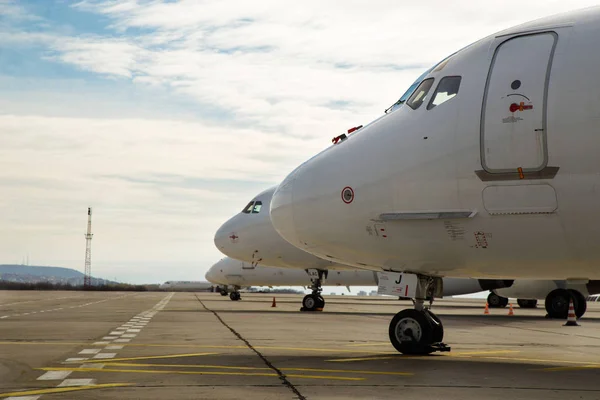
{"points": [[155, 371], [63, 389], [119, 364], [146, 358]]}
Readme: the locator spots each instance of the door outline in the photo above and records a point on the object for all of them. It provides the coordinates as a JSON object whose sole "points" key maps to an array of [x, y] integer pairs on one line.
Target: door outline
{"points": [[541, 172]]}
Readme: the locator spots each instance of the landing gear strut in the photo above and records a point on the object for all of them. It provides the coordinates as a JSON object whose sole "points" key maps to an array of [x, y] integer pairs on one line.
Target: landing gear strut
{"points": [[235, 295], [314, 301], [418, 330]]}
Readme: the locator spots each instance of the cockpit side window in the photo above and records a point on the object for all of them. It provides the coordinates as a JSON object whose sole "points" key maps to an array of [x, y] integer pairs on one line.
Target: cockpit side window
{"points": [[420, 94], [248, 208], [446, 89], [257, 207]]}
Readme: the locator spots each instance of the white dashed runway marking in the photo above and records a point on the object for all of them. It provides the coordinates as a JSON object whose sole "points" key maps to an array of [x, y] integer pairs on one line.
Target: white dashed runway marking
{"points": [[116, 336], [54, 375], [90, 351]]}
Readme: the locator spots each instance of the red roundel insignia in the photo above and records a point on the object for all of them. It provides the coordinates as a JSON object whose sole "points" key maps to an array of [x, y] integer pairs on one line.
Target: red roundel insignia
{"points": [[347, 195]]}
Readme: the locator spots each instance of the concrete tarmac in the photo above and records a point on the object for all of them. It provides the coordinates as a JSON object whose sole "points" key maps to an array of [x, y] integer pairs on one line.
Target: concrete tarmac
{"points": [[108, 345]]}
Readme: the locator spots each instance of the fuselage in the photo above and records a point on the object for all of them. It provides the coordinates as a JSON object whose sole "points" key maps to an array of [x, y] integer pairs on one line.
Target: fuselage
{"points": [[492, 172]]}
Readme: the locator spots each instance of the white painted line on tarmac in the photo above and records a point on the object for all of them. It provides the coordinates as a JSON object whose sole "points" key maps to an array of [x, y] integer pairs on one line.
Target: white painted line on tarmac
{"points": [[76, 359], [129, 335], [77, 382], [122, 340], [24, 398], [110, 337], [114, 347], [105, 355], [133, 330], [54, 375], [4, 316], [116, 333], [100, 343], [90, 351]]}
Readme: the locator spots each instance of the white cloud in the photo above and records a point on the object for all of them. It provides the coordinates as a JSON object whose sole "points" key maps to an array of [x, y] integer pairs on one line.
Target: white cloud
{"points": [[265, 85]]}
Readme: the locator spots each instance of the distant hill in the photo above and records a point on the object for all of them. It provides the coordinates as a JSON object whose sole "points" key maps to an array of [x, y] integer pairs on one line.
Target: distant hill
{"points": [[58, 272], [34, 274]]}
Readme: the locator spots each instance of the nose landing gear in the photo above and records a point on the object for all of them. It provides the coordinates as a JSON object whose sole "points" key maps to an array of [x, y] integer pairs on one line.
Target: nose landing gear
{"points": [[314, 301], [419, 331]]}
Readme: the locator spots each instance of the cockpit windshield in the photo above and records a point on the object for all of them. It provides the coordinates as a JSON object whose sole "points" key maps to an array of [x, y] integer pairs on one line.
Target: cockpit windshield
{"points": [[248, 208], [416, 83], [253, 207]]}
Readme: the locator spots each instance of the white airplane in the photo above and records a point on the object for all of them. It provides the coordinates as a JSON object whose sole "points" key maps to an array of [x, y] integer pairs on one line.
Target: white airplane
{"points": [[231, 272], [489, 168], [253, 233], [186, 285], [249, 236]]}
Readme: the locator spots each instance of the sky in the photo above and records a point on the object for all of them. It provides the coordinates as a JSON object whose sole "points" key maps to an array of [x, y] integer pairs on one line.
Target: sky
{"points": [[167, 117]]}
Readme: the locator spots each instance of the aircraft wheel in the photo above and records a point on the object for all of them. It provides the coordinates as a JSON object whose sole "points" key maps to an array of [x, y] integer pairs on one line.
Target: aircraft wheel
{"points": [[235, 296], [411, 332], [311, 302], [557, 303], [495, 301], [579, 302], [438, 327], [527, 303]]}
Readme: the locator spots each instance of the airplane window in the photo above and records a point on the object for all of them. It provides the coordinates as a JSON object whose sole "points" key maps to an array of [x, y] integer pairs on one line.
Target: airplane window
{"points": [[420, 94], [446, 89], [248, 208], [257, 207]]}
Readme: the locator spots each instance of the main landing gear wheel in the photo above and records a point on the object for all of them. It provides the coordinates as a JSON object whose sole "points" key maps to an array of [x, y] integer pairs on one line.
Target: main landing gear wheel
{"points": [[312, 302], [527, 303], [495, 301], [223, 292], [557, 303], [579, 302], [235, 296]]}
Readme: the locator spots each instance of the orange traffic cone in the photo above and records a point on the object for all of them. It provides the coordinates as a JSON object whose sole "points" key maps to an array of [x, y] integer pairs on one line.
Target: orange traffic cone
{"points": [[571, 318], [510, 310], [487, 309], [274, 303]]}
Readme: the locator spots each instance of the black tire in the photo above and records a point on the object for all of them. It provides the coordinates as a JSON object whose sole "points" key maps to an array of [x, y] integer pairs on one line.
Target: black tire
{"points": [[411, 332], [223, 292], [321, 304], [438, 327], [235, 296], [527, 303], [495, 301], [310, 302], [579, 302], [557, 303]]}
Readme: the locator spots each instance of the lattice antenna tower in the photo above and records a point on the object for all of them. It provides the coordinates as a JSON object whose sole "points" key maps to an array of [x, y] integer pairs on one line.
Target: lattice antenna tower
{"points": [[87, 279]]}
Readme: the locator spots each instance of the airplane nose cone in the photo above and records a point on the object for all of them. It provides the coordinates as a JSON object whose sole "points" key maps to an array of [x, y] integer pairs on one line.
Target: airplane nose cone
{"points": [[210, 276], [282, 210], [225, 237]]}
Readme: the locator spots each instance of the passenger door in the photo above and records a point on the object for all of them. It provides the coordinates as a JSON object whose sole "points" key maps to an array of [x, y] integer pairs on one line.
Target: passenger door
{"points": [[513, 121]]}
